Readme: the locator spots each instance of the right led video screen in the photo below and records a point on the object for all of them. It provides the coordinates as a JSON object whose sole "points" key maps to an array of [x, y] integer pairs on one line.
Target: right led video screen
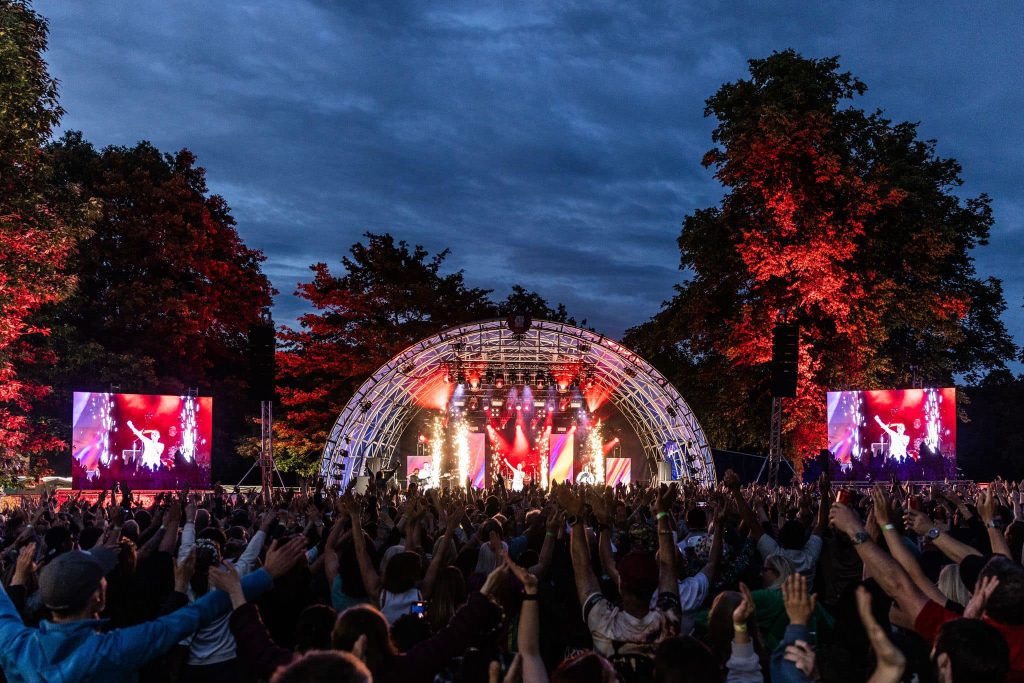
{"points": [[910, 433]]}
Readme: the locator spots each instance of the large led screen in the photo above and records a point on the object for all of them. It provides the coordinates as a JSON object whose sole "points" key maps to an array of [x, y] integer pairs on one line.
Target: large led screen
{"points": [[141, 440], [910, 433]]}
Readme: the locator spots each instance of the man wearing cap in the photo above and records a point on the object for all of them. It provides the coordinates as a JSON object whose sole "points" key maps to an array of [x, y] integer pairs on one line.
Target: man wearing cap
{"points": [[71, 648], [628, 635]]}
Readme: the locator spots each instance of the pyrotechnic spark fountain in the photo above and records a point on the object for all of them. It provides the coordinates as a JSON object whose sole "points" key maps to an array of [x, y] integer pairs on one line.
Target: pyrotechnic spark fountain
{"points": [[436, 453], [544, 452], [462, 450], [595, 446]]}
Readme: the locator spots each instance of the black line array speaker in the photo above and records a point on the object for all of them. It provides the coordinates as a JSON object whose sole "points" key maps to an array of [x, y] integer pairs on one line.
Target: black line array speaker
{"points": [[785, 349]]}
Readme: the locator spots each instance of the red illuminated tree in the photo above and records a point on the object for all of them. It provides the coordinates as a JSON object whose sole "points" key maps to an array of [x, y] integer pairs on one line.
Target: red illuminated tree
{"points": [[35, 240], [390, 296], [840, 221]]}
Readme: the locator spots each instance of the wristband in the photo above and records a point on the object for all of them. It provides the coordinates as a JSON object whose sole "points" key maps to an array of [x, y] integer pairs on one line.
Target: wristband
{"points": [[888, 527], [550, 534], [740, 628], [529, 596], [661, 515]]}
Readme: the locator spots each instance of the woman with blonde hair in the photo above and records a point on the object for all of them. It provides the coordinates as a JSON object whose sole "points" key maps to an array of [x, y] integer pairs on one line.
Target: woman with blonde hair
{"points": [[952, 586]]}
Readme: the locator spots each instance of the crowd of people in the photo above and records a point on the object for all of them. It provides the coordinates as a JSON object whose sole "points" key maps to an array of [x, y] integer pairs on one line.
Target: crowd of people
{"points": [[666, 583]]}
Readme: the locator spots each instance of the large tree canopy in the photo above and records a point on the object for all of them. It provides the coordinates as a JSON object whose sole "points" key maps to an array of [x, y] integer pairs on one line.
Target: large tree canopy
{"points": [[35, 240], [389, 296], [168, 294], [836, 219]]}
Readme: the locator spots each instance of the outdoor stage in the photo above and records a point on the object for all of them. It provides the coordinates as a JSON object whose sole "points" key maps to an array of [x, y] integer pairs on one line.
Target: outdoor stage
{"points": [[527, 400]]}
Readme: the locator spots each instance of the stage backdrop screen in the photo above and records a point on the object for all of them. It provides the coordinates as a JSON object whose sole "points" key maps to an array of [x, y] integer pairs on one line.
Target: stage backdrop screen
{"points": [[142, 440], [907, 432]]}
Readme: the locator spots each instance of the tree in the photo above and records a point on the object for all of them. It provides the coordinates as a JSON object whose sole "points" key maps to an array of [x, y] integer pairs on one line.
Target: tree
{"points": [[840, 221], [34, 240], [520, 300], [390, 296], [168, 294]]}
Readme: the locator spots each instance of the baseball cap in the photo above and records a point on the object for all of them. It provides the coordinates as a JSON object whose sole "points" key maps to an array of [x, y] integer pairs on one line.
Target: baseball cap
{"points": [[69, 580], [638, 573]]}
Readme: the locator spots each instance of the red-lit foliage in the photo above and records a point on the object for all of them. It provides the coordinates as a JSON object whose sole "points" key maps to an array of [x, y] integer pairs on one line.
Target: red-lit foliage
{"points": [[834, 219], [34, 241], [390, 296]]}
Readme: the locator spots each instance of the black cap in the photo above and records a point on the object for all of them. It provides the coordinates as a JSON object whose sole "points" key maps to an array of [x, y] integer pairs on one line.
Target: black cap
{"points": [[69, 580]]}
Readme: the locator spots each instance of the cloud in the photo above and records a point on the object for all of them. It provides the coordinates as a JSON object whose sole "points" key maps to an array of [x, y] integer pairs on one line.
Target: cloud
{"points": [[553, 144]]}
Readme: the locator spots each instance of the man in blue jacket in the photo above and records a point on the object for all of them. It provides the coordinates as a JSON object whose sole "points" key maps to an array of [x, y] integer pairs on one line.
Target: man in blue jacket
{"points": [[71, 648]]}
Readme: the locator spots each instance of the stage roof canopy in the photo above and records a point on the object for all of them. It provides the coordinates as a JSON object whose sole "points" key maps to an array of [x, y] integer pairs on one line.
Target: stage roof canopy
{"points": [[421, 378]]}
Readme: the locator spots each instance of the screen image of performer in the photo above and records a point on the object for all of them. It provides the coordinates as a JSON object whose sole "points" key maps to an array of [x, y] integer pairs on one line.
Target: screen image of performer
{"points": [[518, 475], [899, 439], [152, 449]]}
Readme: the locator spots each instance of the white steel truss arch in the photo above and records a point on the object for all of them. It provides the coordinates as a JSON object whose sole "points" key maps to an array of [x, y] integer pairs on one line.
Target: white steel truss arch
{"points": [[374, 419]]}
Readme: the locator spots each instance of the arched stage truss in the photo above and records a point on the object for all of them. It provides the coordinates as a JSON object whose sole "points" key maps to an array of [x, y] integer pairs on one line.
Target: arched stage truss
{"points": [[376, 416]]}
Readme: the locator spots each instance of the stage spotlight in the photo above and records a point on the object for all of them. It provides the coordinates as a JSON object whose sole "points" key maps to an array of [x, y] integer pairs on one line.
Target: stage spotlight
{"points": [[499, 380], [540, 380]]}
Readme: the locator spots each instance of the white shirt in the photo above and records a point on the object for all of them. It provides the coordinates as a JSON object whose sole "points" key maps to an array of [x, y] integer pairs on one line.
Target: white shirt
{"points": [[804, 560]]}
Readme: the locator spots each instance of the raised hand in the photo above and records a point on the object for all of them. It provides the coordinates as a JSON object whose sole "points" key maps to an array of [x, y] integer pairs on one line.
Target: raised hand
{"points": [[845, 519], [982, 592], [225, 578], [803, 658], [799, 605], [281, 557], [599, 504], [528, 580], [986, 504], [667, 496], [569, 501], [890, 662], [745, 609], [918, 521], [881, 501], [26, 566]]}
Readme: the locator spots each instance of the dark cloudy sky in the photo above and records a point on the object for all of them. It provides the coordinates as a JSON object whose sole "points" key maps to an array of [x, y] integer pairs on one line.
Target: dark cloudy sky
{"points": [[555, 144]]}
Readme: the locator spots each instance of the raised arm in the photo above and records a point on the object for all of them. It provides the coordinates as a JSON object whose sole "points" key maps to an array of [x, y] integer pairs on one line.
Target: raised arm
{"points": [[528, 636], [898, 550], [885, 570], [600, 503], [710, 569], [453, 517], [922, 524], [986, 504], [555, 521], [371, 579], [667, 576], [586, 580], [732, 482], [884, 426]]}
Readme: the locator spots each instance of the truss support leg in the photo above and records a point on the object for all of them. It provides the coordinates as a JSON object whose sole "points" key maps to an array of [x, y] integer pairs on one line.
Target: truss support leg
{"points": [[775, 442]]}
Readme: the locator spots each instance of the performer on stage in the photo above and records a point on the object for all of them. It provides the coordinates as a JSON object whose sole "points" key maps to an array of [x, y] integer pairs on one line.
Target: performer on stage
{"points": [[152, 449], [518, 475], [898, 439]]}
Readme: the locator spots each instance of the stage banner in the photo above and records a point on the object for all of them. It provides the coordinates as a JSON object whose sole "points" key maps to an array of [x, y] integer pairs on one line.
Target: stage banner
{"points": [[560, 463], [478, 459], [618, 471]]}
